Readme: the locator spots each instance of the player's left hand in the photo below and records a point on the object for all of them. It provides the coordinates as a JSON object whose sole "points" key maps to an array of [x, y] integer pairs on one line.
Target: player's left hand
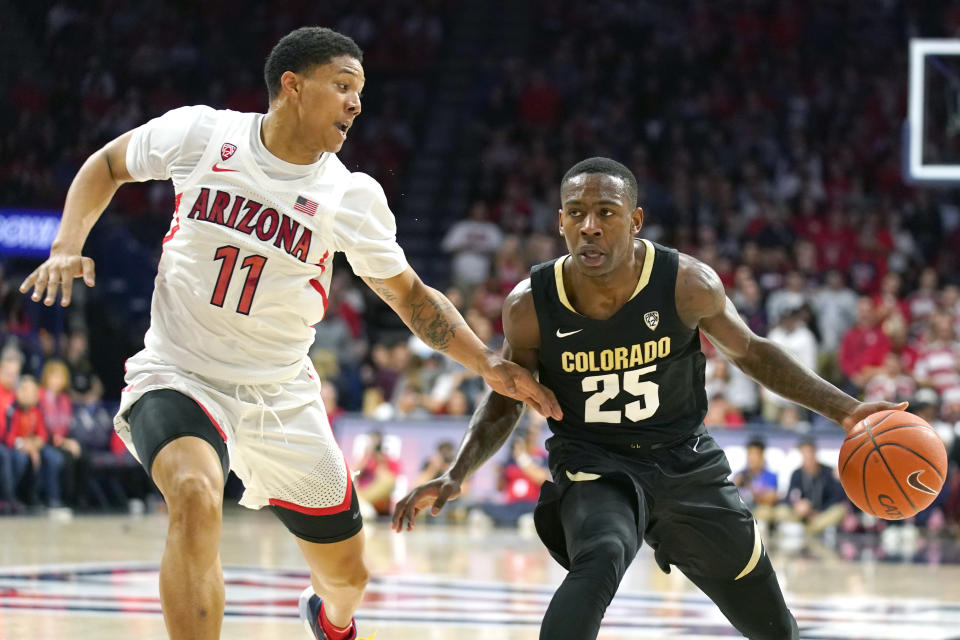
{"points": [[510, 379], [434, 494], [851, 423]]}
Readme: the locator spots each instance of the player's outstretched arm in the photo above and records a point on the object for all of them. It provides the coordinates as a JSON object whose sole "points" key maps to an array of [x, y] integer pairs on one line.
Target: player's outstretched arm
{"points": [[701, 301], [89, 194], [492, 423], [434, 319]]}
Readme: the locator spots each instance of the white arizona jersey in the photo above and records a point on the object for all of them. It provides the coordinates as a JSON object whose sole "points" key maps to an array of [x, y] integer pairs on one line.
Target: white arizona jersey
{"points": [[246, 264]]}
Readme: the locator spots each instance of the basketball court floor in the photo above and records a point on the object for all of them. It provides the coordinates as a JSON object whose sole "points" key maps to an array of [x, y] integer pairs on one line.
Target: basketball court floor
{"points": [[96, 578]]}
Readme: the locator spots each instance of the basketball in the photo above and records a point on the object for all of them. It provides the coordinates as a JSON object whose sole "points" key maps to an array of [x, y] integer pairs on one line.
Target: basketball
{"points": [[895, 467]]}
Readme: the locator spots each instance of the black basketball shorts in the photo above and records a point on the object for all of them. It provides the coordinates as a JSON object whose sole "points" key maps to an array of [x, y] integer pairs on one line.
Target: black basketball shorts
{"points": [[686, 508]]}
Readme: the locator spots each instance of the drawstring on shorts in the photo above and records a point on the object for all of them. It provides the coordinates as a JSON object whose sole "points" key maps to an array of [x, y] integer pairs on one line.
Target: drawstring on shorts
{"points": [[258, 391]]}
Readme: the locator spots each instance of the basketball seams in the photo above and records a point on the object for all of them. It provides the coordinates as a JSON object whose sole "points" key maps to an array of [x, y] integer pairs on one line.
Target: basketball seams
{"points": [[859, 446], [896, 481], [865, 432], [933, 467], [863, 478]]}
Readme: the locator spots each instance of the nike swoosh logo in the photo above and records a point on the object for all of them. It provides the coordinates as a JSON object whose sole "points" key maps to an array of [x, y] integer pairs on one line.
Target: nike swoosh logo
{"points": [[564, 334], [582, 476], [914, 481], [220, 169]]}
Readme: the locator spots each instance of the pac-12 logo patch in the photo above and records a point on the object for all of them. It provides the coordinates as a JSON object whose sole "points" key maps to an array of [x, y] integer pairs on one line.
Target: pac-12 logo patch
{"points": [[652, 319], [227, 150]]}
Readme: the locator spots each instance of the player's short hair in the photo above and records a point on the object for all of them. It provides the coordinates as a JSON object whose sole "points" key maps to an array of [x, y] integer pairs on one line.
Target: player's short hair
{"points": [[608, 167], [757, 442], [304, 48]]}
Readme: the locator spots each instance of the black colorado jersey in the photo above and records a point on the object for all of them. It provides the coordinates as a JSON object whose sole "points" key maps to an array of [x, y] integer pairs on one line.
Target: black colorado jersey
{"points": [[634, 378]]}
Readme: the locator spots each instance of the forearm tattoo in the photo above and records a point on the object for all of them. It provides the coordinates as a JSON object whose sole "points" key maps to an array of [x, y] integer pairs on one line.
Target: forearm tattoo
{"points": [[491, 425], [382, 290], [435, 320]]}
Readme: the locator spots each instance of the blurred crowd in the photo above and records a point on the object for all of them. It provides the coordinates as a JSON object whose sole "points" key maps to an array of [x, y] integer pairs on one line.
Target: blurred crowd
{"points": [[764, 135], [58, 449]]}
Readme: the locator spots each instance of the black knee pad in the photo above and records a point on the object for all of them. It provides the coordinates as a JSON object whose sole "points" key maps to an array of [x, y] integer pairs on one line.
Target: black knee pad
{"points": [[754, 604], [163, 415]]}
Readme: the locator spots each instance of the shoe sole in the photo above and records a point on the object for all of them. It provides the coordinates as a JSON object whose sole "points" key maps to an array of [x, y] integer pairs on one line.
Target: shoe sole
{"points": [[303, 606]]}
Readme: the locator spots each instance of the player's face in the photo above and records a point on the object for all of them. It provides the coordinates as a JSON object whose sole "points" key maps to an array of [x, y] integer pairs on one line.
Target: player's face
{"points": [[598, 221], [329, 100]]}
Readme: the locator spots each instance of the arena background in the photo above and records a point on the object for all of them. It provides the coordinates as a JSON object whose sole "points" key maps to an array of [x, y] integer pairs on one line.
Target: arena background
{"points": [[765, 135]]}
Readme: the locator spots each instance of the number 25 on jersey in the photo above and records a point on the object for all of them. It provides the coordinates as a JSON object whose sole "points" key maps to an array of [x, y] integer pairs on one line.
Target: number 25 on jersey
{"points": [[607, 387]]}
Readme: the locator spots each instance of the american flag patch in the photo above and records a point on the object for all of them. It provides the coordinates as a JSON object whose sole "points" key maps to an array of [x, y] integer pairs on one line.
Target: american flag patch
{"points": [[303, 205]]}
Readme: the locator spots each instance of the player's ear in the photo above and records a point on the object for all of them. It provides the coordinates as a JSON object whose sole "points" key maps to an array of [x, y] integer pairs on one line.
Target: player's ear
{"points": [[290, 84], [560, 220], [637, 220]]}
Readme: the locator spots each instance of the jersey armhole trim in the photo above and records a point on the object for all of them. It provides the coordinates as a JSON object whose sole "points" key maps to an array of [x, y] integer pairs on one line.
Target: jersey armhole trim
{"points": [[558, 276], [647, 268]]}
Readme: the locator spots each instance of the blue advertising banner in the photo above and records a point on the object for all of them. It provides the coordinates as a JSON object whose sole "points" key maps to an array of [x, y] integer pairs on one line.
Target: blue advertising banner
{"points": [[27, 233]]}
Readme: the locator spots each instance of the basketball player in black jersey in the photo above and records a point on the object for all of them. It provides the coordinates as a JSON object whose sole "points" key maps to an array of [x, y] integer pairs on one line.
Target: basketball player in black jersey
{"points": [[613, 329]]}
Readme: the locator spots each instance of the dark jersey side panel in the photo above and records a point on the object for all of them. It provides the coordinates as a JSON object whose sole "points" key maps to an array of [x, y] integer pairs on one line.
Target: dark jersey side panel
{"points": [[636, 377]]}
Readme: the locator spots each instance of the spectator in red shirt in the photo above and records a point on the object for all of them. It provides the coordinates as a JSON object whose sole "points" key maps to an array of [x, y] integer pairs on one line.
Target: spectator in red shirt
{"points": [[10, 363], [27, 436], [835, 240], [519, 484], [57, 416], [864, 346], [888, 303], [10, 473], [377, 475], [890, 383], [938, 358]]}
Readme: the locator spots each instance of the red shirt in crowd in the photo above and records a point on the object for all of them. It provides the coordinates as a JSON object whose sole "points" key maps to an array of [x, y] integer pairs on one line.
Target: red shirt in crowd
{"points": [[518, 487], [57, 414], [862, 347], [7, 398], [24, 423]]}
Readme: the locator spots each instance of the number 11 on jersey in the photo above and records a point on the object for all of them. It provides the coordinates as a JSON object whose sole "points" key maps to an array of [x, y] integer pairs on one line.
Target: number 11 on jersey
{"points": [[229, 253]]}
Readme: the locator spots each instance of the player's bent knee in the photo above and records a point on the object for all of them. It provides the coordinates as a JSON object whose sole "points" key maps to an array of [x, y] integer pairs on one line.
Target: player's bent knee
{"points": [[607, 552], [352, 575], [194, 497]]}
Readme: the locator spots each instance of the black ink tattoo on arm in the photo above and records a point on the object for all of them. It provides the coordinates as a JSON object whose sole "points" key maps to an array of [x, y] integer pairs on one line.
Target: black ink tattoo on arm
{"points": [[382, 290], [435, 320], [491, 425]]}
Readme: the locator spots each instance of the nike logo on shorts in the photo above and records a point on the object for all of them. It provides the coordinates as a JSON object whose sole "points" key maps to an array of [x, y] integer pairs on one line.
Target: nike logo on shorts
{"points": [[583, 476], [564, 334], [221, 169]]}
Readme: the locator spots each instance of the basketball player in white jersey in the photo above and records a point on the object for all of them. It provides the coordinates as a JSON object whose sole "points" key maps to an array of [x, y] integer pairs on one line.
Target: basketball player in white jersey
{"points": [[262, 204]]}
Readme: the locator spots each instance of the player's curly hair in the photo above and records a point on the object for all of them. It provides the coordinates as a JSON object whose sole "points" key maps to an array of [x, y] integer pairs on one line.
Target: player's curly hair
{"points": [[304, 48], [608, 167]]}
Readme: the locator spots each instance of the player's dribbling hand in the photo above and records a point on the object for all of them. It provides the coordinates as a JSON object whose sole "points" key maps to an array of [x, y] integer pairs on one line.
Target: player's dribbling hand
{"points": [[58, 272], [851, 423], [435, 493], [510, 379]]}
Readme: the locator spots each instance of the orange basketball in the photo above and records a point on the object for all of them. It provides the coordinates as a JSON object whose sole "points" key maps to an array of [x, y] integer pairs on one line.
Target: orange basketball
{"points": [[895, 467]]}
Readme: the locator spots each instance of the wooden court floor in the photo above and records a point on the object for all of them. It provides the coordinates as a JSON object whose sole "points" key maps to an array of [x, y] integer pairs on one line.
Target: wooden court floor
{"points": [[95, 578]]}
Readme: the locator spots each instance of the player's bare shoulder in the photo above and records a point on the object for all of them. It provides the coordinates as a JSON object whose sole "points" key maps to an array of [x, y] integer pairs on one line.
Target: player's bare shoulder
{"points": [[699, 291], [520, 325]]}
